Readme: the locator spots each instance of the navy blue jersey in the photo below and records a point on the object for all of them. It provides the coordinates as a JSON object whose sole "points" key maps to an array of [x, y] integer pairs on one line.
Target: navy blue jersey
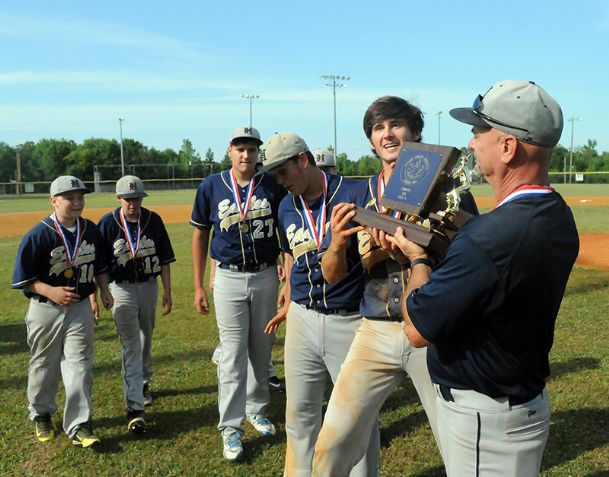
{"points": [[42, 257], [307, 285], [154, 250], [385, 278], [237, 242], [490, 305]]}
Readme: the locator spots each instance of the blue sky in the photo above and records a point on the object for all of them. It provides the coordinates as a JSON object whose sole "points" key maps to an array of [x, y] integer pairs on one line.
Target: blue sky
{"points": [[177, 69]]}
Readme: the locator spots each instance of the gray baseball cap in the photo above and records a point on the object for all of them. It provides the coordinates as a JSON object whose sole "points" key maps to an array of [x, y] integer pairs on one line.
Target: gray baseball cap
{"points": [[516, 107], [64, 184], [245, 132], [279, 148], [130, 187], [324, 158]]}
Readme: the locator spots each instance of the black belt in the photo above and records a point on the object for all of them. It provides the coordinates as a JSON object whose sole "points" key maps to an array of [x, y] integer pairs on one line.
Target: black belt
{"points": [[393, 319], [40, 298], [252, 267], [333, 311], [513, 400], [133, 280]]}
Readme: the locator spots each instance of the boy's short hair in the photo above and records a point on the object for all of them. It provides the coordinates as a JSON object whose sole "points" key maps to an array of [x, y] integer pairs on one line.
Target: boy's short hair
{"points": [[393, 107]]}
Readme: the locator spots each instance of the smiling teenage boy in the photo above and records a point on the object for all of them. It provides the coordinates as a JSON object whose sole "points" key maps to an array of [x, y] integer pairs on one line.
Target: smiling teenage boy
{"points": [[55, 266]]}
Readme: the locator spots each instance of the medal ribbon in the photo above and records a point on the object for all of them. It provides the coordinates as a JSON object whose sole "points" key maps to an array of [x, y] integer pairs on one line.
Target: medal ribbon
{"points": [[317, 231], [70, 254], [380, 190], [133, 247], [527, 190], [243, 211]]}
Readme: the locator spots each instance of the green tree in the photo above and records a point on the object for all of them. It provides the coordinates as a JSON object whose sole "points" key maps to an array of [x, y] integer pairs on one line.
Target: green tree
{"points": [[7, 162], [188, 156], [50, 156]]}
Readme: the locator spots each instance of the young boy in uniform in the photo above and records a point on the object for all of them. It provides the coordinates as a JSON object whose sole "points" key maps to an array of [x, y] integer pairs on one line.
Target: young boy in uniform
{"points": [[55, 267], [137, 249]]}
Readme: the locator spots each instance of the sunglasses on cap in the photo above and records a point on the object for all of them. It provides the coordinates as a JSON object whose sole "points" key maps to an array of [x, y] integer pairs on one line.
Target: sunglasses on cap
{"points": [[478, 104]]}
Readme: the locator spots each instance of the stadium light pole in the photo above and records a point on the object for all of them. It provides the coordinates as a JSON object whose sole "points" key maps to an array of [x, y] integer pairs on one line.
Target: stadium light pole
{"points": [[439, 114], [572, 120], [120, 126], [334, 82], [250, 98]]}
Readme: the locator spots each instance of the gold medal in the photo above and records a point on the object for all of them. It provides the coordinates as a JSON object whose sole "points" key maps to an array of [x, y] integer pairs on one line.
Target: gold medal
{"points": [[243, 227], [68, 273]]}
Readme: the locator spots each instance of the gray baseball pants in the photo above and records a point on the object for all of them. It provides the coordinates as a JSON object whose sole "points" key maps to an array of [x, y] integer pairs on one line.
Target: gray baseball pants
{"points": [[61, 345], [134, 313], [487, 436], [245, 302], [375, 365], [315, 347]]}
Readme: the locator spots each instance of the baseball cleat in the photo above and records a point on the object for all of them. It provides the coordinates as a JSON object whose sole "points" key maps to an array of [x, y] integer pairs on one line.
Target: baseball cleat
{"points": [[84, 436], [263, 425], [135, 421], [147, 395], [233, 450], [44, 428]]}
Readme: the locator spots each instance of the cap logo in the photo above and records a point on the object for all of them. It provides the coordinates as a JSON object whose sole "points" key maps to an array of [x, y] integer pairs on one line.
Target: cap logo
{"points": [[319, 157], [73, 183], [263, 155], [247, 130], [131, 185]]}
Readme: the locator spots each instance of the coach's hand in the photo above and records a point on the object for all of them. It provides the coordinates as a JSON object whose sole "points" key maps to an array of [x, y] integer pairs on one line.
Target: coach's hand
{"points": [[272, 325], [391, 247], [408, 249], [341, 216], [107, 298], [201, 301]]}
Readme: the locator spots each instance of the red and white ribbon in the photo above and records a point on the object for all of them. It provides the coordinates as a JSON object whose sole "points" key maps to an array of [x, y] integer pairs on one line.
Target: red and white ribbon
{"points": [[318, 230], [243, 210], [134, 246], [70, 253], [526, 190]]}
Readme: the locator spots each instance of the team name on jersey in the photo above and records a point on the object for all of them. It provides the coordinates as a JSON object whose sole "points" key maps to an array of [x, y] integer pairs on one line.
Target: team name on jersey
{"points": [[228, 212], [371, 254], [58, 262], [123, 254], [300, 240]]}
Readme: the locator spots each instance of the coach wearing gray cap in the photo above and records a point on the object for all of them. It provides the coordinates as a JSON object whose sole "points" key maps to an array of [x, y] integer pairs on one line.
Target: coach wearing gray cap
{"points": [[487, 310]]}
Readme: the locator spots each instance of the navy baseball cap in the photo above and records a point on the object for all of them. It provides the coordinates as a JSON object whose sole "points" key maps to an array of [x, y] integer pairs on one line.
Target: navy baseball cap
{"points": [[520, 108]]}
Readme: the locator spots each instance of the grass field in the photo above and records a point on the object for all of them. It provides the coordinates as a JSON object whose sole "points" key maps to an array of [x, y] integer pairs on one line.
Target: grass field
{"points": [[183, 439]]}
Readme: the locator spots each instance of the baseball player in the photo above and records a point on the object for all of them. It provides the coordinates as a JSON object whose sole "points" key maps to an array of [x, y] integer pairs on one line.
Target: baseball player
{"points": [[137, 250], [324, 160], [321, 317], [380, 354], [242, 210], [55, 266], [488, 310]]}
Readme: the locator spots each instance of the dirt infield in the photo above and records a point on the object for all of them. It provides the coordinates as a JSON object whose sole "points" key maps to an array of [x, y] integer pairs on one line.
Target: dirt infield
{"points": [[594, 248]]}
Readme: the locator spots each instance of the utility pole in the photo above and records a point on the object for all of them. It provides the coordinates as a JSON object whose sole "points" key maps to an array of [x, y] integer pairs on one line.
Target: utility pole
{"points": [[334, 82], [120, 125], [18, 174], [250, 98], [439, 114], [572, 120]]}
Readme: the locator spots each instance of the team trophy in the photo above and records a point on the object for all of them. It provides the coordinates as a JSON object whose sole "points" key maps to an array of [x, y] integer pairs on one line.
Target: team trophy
{"points": [[423, 196]]}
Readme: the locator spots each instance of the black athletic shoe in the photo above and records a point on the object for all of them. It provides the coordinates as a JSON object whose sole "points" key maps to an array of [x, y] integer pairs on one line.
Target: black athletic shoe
{"points": [[84, 436], [277, 384], [135, 421], [44, 428], [147, 395]]}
